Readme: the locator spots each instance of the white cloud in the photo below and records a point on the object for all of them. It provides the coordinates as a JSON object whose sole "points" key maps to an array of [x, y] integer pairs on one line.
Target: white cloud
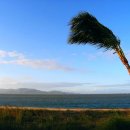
{"points": [[13, 57], [11, 54], [7, 81], [3, 53]]}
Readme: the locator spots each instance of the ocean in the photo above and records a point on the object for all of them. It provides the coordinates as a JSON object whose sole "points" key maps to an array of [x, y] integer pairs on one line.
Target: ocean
{"points": [[67, 101]]}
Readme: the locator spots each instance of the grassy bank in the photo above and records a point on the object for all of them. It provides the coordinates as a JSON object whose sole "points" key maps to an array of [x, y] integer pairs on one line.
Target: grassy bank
{"points": [[12, 118]]}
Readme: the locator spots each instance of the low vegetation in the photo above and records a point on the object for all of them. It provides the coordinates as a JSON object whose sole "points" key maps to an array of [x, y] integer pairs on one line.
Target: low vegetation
{"points": [[34, 119]]}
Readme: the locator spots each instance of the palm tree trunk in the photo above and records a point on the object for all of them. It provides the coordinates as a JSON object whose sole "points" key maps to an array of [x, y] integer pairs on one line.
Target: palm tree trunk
{"points": [[122, 57]]}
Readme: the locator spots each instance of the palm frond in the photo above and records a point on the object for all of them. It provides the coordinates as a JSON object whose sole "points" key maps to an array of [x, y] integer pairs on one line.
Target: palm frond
{"points": [[85, 29]]}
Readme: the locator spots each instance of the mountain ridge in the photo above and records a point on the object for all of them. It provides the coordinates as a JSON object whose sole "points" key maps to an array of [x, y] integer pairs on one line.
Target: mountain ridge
{"points": [[29, 91]]}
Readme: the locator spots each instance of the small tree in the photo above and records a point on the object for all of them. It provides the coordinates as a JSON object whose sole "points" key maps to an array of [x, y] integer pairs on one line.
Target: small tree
{"points": [[85, 29]]}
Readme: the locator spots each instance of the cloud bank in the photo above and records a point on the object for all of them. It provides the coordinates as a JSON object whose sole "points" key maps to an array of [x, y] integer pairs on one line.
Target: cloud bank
{"points": [[74, 87], [16, 58]]}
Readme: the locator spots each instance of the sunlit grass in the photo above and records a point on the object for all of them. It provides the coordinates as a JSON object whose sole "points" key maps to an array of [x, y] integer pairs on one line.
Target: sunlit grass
{"points": [[38, 119]]}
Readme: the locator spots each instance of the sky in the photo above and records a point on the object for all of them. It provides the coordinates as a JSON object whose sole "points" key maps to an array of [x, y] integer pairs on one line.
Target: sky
{"points": [[34, 49]]}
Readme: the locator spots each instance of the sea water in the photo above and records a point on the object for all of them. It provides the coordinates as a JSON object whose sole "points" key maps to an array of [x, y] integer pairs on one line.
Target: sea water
{"points": [[67, 101]]}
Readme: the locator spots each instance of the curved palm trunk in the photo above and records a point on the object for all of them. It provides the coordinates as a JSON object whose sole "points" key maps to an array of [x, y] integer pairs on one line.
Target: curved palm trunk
{"points": [[122, 57]]}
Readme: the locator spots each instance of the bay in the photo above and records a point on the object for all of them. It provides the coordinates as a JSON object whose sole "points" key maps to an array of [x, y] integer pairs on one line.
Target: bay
{"points": [[67, 101]]}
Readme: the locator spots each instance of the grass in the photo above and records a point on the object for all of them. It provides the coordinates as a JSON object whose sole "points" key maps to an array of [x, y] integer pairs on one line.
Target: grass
{"points": [[40, 119]]}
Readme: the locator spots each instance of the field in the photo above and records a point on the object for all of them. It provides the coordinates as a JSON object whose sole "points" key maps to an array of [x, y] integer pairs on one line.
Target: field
{"points": [[15, 118]]}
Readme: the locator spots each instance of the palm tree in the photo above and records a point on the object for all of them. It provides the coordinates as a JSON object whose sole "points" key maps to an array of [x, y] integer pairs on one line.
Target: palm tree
{"points": [[85, 29]]}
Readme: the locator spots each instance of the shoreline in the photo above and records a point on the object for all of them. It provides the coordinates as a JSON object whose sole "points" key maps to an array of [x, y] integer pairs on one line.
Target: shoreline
{"points": [[66, 109]]}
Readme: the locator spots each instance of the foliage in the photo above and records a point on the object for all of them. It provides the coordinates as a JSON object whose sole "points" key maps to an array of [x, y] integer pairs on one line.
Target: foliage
{"points": [[85, 29], [116, 123], [29, 119]]}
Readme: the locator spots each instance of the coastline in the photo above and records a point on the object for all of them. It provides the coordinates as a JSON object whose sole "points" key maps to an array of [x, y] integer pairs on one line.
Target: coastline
{"points": [[66, 109]]}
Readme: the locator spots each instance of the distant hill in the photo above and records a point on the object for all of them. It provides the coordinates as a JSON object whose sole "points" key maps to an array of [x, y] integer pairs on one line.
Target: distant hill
{"points": [[28, 91]]}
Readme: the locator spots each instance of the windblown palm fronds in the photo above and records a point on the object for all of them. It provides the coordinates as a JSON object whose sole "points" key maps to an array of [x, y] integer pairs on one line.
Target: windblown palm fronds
{"points": [[85, 29]]}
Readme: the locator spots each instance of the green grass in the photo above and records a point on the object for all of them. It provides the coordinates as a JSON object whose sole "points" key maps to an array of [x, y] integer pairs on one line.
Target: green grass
{"points": [[25, 119]]}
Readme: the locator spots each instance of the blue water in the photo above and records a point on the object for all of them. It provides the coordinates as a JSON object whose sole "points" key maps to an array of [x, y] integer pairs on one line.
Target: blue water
{"points": [[68, 101]]}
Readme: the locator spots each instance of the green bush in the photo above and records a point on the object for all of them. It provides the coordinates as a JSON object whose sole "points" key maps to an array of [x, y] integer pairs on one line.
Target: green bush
{"points": [[117, 123], [25, 119]]}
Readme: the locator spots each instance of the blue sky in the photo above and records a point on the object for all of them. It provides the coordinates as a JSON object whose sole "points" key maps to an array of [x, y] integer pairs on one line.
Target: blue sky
{"points": [[34, 52]]}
